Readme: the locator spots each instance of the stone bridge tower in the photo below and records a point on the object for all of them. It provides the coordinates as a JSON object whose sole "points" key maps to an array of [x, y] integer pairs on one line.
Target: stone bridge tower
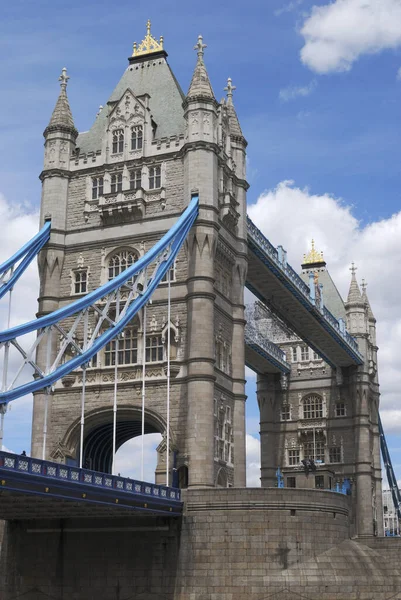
{"points": [[111, 193]]}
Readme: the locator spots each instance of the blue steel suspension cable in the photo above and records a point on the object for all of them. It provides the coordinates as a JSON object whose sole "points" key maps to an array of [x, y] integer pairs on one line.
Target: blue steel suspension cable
{"points": [[27, 253], [174, 239]]}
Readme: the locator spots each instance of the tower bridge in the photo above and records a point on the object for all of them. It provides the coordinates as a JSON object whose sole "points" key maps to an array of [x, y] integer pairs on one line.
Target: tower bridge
{"points": [[144, 252]]}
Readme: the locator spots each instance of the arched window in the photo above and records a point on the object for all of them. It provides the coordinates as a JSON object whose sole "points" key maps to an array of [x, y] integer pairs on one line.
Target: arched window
{"points": [[313, 407], [120, 262], [136, 137], [118, 141]]}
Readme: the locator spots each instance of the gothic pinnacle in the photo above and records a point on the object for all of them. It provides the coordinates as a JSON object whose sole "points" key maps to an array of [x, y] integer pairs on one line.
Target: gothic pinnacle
{"points": [[61, 118], [200, 84]]}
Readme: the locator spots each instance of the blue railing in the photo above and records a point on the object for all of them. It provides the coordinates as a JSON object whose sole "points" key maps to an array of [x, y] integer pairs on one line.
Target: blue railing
{"points": [[285, 272], [55, 471]]}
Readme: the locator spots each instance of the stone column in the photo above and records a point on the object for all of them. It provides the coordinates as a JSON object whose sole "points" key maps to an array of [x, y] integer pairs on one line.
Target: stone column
{"points": [[268, 394], [201, 377], [363, 460]]}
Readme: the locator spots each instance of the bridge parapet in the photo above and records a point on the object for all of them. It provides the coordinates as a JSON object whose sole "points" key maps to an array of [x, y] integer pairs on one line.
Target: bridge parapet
{"points": [[25, 475]]}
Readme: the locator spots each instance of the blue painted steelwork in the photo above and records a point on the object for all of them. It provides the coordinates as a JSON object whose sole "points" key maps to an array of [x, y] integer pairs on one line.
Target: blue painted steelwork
{"points": [[26, 254], [269, 256], [280, 478], [269, 351], [391, 478], [23, 474], [165, 251]]}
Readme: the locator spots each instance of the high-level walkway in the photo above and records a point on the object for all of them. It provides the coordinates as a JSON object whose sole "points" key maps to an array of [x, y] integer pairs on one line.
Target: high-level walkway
{"points": [[276, 284]]}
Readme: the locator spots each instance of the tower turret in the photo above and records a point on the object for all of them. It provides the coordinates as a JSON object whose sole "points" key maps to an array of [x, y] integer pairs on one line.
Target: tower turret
{"points": [[60, 137], [355, 308]]}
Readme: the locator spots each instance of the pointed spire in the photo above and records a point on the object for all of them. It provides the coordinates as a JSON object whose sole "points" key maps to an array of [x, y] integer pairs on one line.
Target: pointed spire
{"points": [[234, 126], [371, 316], [354, 294], [200, 84], [62, 116]]}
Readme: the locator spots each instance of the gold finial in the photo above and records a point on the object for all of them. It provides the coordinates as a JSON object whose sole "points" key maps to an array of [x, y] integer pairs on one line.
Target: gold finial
{"points": [[313, 257], [149, 44]]}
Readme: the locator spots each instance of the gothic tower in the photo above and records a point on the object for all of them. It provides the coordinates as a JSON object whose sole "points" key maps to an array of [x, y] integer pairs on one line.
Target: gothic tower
{"points": [[111, 193], [321, 413]]}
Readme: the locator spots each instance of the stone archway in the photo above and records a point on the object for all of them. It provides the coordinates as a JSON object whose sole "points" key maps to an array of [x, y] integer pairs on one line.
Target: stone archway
{"points": [[98, 434]]}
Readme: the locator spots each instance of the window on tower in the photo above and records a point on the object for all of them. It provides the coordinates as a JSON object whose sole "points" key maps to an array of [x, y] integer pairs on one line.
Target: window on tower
{"points": [[136, 137], [155, 177], [127, 349], [97, 187], [118, 141], [80, 285], [120, 262], [154, 348], [116, 183], [313, 407], [135, 179]]}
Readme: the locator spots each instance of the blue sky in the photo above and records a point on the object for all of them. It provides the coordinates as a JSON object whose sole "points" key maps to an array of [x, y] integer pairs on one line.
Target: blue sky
{"points": [[318, 98]]}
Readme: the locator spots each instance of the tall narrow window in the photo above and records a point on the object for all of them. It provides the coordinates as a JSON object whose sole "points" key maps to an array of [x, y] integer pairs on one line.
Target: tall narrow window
{"points": [[97, 187], [80, 282], [293, 457], [285, 412], [118, 141], [136, 137], [335, 454], [155, 174], [135, 179], [294, 353], [127, 349], [154, 348], [172, 275], [116, 183], [121, 261]]}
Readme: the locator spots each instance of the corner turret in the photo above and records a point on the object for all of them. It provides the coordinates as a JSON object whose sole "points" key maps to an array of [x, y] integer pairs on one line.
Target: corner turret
{"points": [[355, 308]]}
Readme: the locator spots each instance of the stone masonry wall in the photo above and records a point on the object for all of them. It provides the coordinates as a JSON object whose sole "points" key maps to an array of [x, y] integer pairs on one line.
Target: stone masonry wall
{"points": [[231, 544]]}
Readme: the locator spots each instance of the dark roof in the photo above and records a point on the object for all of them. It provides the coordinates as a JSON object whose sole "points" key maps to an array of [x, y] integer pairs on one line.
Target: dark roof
{"points": [[153, 77], [331, 296]]}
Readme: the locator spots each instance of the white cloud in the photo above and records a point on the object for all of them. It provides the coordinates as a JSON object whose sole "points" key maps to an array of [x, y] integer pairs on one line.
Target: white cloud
{"points": [[252, 461], [292, 92], [128, 457], [288, 8], [292, 216], [338, 33]]}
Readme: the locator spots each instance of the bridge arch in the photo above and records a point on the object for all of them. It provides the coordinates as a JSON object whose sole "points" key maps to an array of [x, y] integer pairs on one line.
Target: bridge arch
{"points": [[98, 434]]}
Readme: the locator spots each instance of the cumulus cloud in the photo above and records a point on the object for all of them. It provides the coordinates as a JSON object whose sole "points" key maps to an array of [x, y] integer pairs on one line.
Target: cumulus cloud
{"points": [[338, 33], [291, 216], [292, 92]]}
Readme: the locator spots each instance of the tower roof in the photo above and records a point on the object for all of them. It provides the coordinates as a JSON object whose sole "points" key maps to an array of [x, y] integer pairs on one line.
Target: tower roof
{"points": [[200, 85], [354, 294], [233, 122], [62, 116]]}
